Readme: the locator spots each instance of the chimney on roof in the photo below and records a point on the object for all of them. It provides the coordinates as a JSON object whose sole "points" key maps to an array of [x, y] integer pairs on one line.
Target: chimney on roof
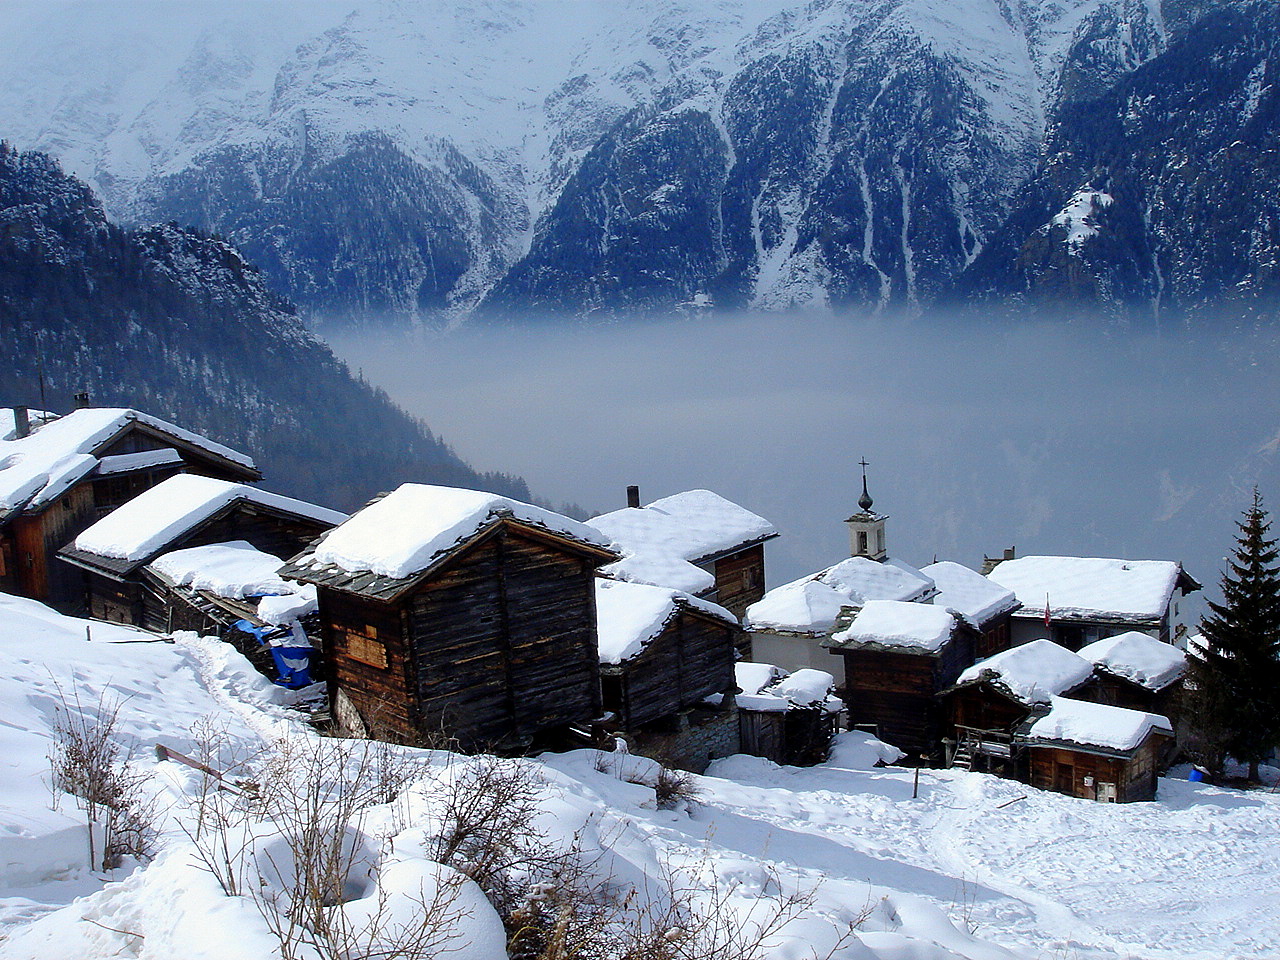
{"points": [[633, 496], [21, 423], [82, 399]]}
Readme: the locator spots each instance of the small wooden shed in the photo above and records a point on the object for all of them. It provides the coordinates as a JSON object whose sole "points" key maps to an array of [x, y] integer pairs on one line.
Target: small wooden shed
{"points": [[993, 697], [897, 658], [459, 612], [118, 554], [1139, 672], [789, 718], [663, 653], [1095, 751]]}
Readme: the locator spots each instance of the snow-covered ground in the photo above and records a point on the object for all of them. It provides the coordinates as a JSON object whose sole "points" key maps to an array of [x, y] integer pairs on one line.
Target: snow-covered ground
{"points": [[975, 867]]}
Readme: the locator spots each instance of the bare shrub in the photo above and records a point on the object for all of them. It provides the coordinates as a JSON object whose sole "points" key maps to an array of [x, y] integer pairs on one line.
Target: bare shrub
{"points": [[89, 762], [673, 786]]}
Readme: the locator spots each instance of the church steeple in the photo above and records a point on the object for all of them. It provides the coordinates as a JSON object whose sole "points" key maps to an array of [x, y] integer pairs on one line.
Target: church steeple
{"points": [[866, 528]]}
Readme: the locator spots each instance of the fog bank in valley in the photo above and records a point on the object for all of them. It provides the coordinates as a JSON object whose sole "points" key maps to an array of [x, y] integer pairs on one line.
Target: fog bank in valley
{"points": [[1077, 439]]}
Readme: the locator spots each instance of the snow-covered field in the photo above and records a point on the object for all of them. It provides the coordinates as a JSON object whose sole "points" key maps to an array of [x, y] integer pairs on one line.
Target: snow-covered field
{"points": [[975, 867]]}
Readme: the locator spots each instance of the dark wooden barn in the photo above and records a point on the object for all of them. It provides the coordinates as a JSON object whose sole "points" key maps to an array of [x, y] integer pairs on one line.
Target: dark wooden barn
{"points": [[898, 657], [1095, 751], [991, 699], [124, 579], [662, 654], [701, 528], [1139, 672], [61, 475], [456, 612], [787, 718]]}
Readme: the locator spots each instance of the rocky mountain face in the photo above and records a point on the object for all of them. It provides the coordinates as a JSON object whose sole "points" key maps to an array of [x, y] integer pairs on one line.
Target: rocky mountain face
{"points": [[1158, 196], [545, 156], [179, 325]]}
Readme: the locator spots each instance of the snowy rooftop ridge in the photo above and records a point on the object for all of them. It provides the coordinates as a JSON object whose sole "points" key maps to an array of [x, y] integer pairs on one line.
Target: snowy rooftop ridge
{"points": [[404, 532], [919, 627], [630, 615], [661, 570], [1096, 725], [695, 525], [976, 598], [1031, 673], [766, 688], [1135, 656], [1090, 587], [156, 517], [812, 604], [39, 468]]}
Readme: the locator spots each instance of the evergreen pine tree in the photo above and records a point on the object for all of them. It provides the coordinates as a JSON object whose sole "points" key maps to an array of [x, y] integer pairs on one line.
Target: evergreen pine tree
{"points": [[1235, 679]]}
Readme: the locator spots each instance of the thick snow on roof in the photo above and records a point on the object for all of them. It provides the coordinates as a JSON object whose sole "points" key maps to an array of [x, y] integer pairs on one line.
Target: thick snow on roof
{"points": [[692, 525], [662, 570], [235, 570], [1033, 672], [1097, 725], [1138, 657], [9, 424], [811, 604], [1090, 587], [766, 688], [898, 623], [629, 615], [157, 517], [40, 467], [402, 533], [969, 593]]}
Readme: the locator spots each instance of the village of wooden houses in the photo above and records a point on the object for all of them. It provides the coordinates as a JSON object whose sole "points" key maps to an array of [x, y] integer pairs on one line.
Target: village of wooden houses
{"points": [[498, 625]]}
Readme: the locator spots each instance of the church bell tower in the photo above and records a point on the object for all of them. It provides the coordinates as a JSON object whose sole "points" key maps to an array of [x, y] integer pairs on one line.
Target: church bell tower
{"points": [[866, 527]]}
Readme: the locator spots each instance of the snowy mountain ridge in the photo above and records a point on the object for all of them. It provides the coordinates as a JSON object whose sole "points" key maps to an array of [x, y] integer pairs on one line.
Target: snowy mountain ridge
{"points": [[420, 158]]}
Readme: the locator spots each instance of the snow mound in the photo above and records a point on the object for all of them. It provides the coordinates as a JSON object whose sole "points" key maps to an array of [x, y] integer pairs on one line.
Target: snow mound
{"points": [[858, 750]]}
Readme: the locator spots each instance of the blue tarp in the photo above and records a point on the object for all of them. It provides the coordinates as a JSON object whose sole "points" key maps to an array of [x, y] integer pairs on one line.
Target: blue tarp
{"points": [[292, 663]]}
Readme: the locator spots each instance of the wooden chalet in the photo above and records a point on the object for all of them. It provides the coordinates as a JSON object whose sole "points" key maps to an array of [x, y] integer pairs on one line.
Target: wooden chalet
{"points": [[898, 656], [793, 624], [125, 578], [1075, 601], [663, 653], [58, 476], [459, 612], [698, 528], [1095, 751], [992, 698], [789, 718], [1138, 672]]}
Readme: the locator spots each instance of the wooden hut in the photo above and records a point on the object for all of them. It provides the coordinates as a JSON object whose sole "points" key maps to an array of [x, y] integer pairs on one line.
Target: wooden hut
{"points": [[897, 658], [663, 652], [993, 697], [60, 475], [695, 527], [1095, 751], [126, 581], [1139, 672], [459, 612], [788, 718]]}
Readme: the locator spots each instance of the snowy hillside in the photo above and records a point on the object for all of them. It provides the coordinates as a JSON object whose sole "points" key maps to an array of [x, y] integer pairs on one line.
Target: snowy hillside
{"points": [[416, 159], [974, 868]]}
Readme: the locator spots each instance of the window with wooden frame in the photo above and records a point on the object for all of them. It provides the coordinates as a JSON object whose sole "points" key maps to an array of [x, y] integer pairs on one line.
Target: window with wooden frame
{"points": [[363, 645]]}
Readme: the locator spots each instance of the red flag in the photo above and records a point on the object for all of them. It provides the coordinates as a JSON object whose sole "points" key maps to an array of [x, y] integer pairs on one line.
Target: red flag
{"points": [[1046, 611]]}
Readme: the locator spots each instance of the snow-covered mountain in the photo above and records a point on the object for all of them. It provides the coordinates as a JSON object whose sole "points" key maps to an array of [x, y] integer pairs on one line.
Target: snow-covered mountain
{"points": [[421, 158]]}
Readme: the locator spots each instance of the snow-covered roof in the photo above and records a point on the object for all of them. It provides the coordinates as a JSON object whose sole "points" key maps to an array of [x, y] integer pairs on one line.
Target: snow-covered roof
{"points": [[969, 593], [157, 517], [695, 525], [1090, 588], [1146, 661], [37, 469], [766, 688], [404, 532], [1096, 725], [629, 615], [812, 604], [1031, 673], [900, 624], [658, 569], [236, 569], [9, 423]]}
